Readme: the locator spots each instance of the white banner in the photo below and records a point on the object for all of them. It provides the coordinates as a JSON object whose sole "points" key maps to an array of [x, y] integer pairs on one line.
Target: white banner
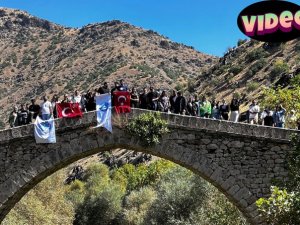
{"points": [[103, 107], [44, 131]]}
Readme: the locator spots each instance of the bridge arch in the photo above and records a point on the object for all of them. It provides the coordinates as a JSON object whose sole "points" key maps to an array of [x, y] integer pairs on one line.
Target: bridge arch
{"points": [[240, 166]]}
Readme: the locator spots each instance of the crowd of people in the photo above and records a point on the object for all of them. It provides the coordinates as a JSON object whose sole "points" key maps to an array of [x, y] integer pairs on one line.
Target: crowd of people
{"points": [[155, 100]]}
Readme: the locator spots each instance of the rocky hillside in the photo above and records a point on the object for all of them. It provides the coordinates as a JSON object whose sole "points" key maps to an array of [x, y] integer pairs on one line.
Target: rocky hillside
{"points": [[250, 67], [39, 57]]}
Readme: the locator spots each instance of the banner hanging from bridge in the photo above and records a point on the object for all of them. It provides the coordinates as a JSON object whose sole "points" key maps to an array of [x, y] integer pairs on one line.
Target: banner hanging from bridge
{"points": [[44, 131], [103, 107], [122, 101]]}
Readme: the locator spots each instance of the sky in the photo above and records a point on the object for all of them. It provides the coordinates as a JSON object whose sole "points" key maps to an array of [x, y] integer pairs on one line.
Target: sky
{"points": [[208, 25]]}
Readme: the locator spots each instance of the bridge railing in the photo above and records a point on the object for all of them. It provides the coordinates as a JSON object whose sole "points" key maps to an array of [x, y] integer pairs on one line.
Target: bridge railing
{"points": [[174, 120], [223, 126]]}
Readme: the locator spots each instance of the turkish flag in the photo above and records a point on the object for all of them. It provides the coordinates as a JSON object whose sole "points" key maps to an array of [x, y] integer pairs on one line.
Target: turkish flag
{"points": [[122, 101], [68, 110]]}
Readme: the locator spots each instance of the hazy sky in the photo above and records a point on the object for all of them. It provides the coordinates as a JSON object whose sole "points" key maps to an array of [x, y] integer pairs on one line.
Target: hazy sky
{"points": [[208, 25]]}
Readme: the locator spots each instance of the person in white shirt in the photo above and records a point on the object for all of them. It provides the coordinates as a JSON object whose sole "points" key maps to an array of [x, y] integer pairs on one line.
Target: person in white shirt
{"points": [[253, 112], [76, 98], [46, 109]]}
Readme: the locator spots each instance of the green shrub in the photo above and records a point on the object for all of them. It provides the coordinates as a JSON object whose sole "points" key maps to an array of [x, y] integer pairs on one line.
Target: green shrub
{"points": [[173, 74], [278, 207], [252, 86], [101, 208], [145, 70], [237, 95], [179, 87], [241, 41], [142, 175], [177, 198], [283, 206], [296, 80], [279, 68], [256, 54], [136, 206], [216, 81], [236, 69], [221, 69], [148, 127], [258, 66]]}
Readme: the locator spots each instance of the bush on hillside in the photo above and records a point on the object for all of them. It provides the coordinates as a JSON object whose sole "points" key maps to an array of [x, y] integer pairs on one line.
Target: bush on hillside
{"points": [[236, 69], [256, 54], [256, 67], [241, 41], [278, 69], [252, 86], [296, 80]]}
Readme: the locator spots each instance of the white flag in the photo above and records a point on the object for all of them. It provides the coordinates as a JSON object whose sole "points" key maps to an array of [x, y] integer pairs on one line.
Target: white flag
{"points": [[44, 131], [103, 107]]}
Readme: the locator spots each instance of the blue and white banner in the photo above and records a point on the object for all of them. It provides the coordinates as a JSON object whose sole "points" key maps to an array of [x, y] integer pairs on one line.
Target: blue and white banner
{"points": [[103, 107], [44, 131]]}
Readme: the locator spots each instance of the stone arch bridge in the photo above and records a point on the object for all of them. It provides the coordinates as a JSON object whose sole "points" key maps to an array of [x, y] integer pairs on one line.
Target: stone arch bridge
{"points": [[239, 159]]}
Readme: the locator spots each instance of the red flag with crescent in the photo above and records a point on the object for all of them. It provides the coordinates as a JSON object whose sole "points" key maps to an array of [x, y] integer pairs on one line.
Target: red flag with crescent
{"points": [[122, 101], [68, 110]]}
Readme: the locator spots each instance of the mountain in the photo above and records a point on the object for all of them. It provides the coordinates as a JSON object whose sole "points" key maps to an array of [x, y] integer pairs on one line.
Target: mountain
{"points": [[38, 57], [249, 68]]}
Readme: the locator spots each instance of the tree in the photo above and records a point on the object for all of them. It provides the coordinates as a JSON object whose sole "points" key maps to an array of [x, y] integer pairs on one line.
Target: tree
{"points": [[177, 198], [288, 98], [44, 204], [100, 208], [283, 206], [137, 205], [103, 197]]}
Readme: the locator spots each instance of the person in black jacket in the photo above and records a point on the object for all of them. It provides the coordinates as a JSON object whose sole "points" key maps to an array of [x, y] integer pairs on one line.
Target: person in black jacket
{"points": [[172, 100], [268, 120], [23, 116], [234, 109], [180, 104], [143, 99], [224, 110], [104, 89], [134, 98], [152, 98], [189, 107], [34, 110]]}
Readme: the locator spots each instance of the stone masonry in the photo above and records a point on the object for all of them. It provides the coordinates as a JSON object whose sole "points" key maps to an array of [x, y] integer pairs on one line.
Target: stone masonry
{"points": [[239, 159]]}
